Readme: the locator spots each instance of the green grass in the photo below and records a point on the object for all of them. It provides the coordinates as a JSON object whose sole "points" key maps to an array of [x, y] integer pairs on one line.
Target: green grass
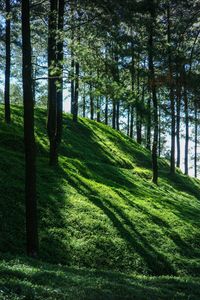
{"points": [[22, 278], [99, 210]]}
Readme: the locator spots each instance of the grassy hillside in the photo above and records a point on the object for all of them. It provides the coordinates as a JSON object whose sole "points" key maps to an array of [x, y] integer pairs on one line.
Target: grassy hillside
{"points": [[99, 209]]}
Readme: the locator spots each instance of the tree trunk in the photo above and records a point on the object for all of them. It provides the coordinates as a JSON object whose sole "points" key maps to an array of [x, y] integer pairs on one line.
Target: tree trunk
{"points": [[60, 57], [72, 61], [178, 118], [98, 109], [154, 97], [91, 103], [128, 120], [106, 112], [149, 124], [186, 124], [52, 89], [75, 111], [114, 115], [117, 114], [7, 70], [171, 94], [195, 139], [138, 108], [29, 138], [131, 121], [84, 101]]}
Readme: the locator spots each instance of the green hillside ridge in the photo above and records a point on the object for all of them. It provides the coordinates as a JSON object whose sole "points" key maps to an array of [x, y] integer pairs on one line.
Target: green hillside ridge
{"points": [[99, 208]]}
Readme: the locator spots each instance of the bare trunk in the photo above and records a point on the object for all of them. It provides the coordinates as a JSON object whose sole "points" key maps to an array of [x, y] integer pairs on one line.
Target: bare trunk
{"points": [[29, 137], [7, 71]]}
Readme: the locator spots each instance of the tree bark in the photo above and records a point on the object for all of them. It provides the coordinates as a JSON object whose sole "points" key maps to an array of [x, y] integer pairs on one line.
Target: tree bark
{"points": [[106, 112], [91, 103], [52, 89], [7, 70], [178, 118], [60, 57], [171, 94], [76, 94], [154, 95], [29, 138], [195, 138], [186, 123], [149, 124]]}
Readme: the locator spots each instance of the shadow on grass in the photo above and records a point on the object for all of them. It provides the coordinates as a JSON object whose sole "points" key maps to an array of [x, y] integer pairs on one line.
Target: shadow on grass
{"points": [[27, 279], [156, 263]]}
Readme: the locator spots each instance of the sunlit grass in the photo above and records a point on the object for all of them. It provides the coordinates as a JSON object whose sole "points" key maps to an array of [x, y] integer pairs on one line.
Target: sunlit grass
{"points": [[99, 208]]}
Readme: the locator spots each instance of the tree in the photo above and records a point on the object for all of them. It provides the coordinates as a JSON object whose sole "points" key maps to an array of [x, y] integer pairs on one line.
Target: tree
{"points": [[7, 70], [29, 138]]}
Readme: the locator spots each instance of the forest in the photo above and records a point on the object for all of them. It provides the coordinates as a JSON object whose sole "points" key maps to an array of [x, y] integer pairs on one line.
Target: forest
{"points": [[100, 149]]}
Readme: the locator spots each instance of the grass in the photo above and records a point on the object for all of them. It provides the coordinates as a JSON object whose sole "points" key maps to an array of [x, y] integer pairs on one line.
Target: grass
{"points": [[23, 278], [99, 210]]}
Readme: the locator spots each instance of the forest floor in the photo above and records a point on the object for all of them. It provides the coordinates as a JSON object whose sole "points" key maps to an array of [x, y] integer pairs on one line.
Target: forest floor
{"points": [[98, 212]]}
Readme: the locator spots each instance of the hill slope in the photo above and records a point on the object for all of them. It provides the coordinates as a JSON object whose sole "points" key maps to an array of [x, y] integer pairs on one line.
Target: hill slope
{"points": [[99, 209]]}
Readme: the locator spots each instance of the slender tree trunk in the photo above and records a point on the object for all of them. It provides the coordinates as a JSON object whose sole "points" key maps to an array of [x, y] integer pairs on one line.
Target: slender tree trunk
{"points": [[29, 138], [98, 109], [91, 103], [138, 109], [186, 124], [117, 114], [128, 120], [159, 132], [106, 112], [195, 139], [178, 118], [149, 124], [72, 82], [7, 70], [131, 121], [84, 101], [171, 94], [114, 115], [60, 57], [52, 89], [154, 97], [132, 89], [75, 111]]}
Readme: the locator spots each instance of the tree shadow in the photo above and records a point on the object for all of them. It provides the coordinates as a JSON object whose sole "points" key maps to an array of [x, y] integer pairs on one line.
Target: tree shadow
{"points": [[30, 279]]}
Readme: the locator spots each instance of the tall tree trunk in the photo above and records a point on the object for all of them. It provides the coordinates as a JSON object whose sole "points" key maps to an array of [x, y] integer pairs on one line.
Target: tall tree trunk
{"points": [[149, 124], [98, 109], [7, 70], [138, 108], [106, 112], [117, 114], [128, 120], [84, 101], [131, 121], [52, 89], [186, 123], [171, 94], [132, 89], [60, 57], [114, 114], [159, 132], [72, 71], [29, 138], [76, 94], [178, 117], [195, 138], [154, 96], [91, 103]]}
